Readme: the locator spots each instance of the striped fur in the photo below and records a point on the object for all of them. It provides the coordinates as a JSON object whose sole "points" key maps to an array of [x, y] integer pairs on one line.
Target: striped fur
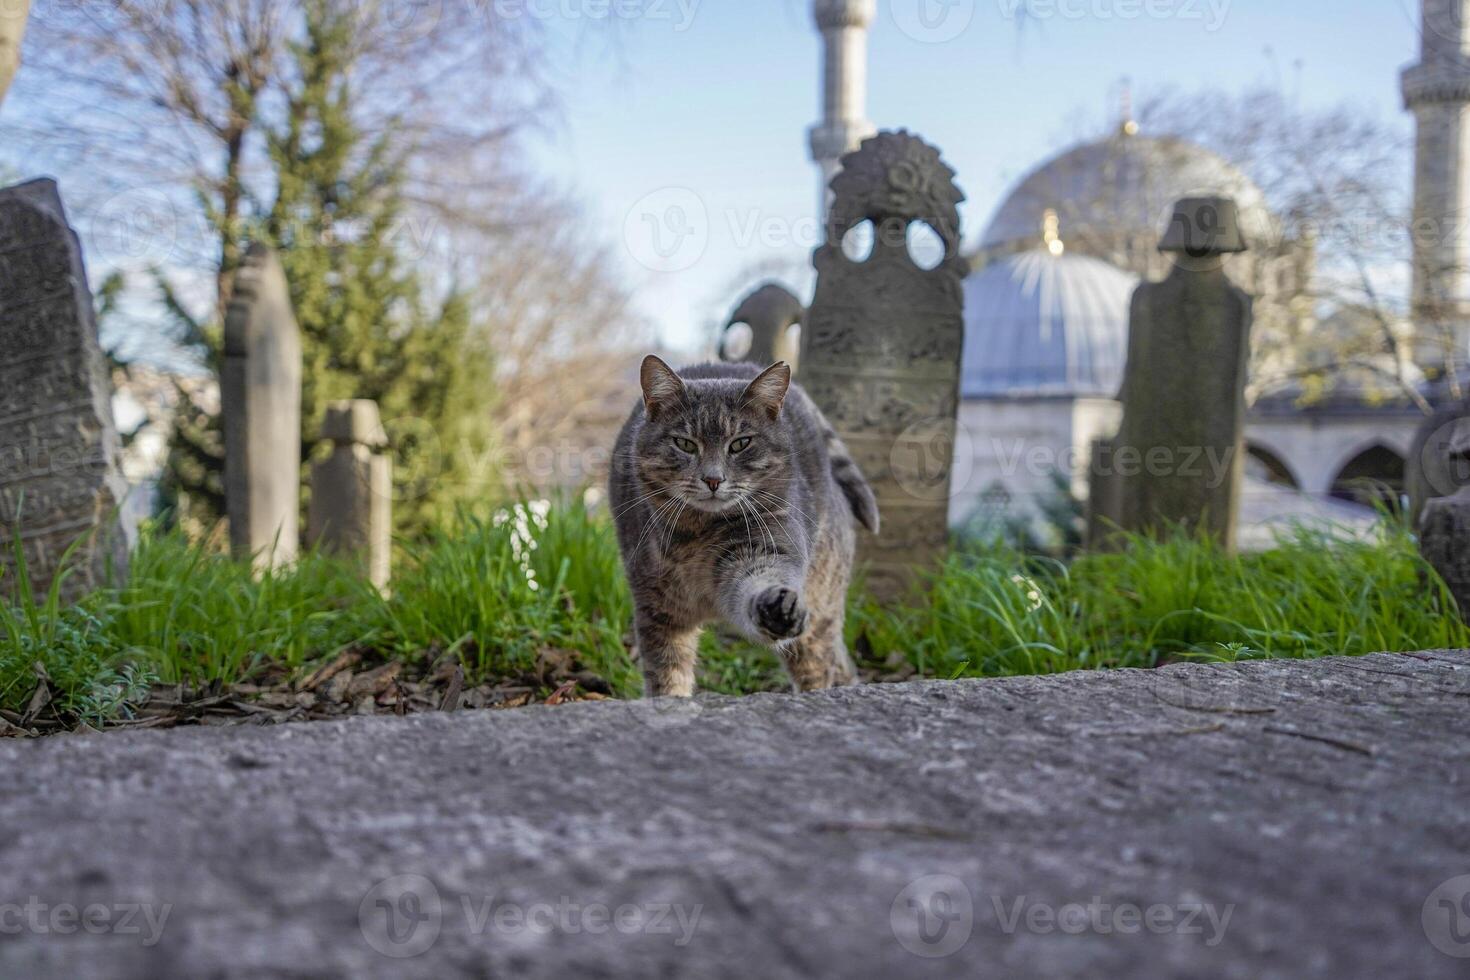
{"points": [[735, 501]]}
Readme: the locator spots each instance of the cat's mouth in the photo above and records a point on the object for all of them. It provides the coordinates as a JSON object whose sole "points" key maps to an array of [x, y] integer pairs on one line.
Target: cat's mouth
{"points": [[716, 502]]}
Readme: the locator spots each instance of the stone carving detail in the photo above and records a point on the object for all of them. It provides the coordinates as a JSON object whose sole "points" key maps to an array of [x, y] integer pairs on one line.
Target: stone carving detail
{"points": [[1183, 389], [1444, 527], [770, 311], [351, 509], [60, 481], [261, 402], [880, 348]]}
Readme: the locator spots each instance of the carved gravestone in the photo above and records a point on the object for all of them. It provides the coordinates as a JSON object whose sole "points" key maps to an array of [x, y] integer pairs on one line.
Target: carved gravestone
{"points": [[1177, 459], [1444, 529], [351, 508], [60, 481], [1432, 468], [261, 403], [881, 345], [770, 312]]}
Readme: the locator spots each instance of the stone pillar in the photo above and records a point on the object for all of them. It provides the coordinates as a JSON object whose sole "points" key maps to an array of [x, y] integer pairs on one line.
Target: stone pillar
{"points": [[261, 401], [1444, 529], [60, 482], [880, 348], [351, 510], [1437, 92], [12, 30], [770, 311], [1179, 454], [844, 25]]}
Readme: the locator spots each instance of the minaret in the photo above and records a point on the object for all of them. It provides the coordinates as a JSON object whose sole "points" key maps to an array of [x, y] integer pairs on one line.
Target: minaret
{"points": [[844, 26], [1437, 92]]}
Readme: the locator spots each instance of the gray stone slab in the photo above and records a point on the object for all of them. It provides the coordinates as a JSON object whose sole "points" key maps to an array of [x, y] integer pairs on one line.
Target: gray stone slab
{"points": [[1323, 803], [61, 486], [881, 345]]}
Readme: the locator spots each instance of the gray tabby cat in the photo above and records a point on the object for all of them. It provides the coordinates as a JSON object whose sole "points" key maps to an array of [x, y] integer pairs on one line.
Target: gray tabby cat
{"points": [[735, 500]]}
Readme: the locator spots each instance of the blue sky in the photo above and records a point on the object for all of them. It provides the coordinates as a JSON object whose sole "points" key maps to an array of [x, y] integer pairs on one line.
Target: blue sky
{"points": [[697, 114]]}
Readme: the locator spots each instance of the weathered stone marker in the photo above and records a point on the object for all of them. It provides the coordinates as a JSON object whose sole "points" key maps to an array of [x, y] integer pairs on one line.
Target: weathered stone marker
{"points": [[1444, 527], [1432, 469], [1178, 455], [880, 348], [351, 508], [769, 311], [59, 476], [261, 402]]}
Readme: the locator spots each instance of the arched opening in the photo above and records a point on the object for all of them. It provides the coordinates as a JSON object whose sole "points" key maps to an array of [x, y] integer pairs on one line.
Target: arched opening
{"points": [[1375, 475], [858, 241], [735, 344], [1262, 464], [926, 247]]}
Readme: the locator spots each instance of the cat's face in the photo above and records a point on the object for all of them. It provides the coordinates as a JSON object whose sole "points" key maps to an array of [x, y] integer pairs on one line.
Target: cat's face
{"points": [[713, 445]]}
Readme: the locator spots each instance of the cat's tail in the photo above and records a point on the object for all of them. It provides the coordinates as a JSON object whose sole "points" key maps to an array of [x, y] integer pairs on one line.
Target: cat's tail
{"points": [[850, 478]]}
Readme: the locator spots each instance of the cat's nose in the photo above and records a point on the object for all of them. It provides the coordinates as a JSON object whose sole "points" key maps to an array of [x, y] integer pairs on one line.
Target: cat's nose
{"points": [[713, 482]]}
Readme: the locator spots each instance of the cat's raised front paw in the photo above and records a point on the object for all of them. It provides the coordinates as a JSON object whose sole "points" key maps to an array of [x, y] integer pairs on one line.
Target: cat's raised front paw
{"points": [[780, 613]]}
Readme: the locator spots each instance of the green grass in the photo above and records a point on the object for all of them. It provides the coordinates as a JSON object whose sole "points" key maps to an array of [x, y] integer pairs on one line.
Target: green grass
{"points": [[497, 590]]}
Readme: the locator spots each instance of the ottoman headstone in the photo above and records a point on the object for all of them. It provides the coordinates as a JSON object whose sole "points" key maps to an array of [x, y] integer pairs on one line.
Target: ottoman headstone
{"points": [[261, 403], [60, 481], [1444, 529], [1432, 469], [1178, 455], [769, 312], [881, 345], [351, 490]]}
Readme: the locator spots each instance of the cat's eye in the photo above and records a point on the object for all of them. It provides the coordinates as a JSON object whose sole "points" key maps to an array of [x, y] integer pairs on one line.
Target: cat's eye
{"points": [[686, 445], [739, 444]]}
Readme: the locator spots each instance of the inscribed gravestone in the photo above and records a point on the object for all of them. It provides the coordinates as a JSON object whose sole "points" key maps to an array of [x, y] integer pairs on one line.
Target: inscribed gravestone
{"points": [[351, 490], [1432, 469], [770, 312], [59, 474], [261, 403], [880, 349], [1444, 527], [1178, 455]]}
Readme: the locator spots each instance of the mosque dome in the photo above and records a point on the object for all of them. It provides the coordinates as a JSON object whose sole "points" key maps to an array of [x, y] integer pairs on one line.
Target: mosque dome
{"points": [[1121, 190], [1046, 322]]}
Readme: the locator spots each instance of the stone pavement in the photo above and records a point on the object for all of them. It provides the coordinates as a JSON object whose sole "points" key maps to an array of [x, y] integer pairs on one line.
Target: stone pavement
{"points": [[1281, 819]]}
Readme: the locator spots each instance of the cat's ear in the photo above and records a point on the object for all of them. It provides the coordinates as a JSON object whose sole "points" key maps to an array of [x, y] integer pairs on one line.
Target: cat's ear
{"points": [[769, 388], [662, 388]]}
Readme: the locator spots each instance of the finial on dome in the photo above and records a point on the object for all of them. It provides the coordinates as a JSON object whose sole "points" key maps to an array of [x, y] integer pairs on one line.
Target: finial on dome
{"points": [[1127, 125], [1051, 232]]}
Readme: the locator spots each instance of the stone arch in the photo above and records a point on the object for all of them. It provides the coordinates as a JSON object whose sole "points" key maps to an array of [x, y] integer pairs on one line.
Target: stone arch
{"points": [[1272, 464], [1373, 473]]}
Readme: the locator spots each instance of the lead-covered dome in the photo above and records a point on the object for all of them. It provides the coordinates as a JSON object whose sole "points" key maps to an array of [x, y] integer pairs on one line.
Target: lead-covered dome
{"points": [[1037, 323], [1119, 193]]}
